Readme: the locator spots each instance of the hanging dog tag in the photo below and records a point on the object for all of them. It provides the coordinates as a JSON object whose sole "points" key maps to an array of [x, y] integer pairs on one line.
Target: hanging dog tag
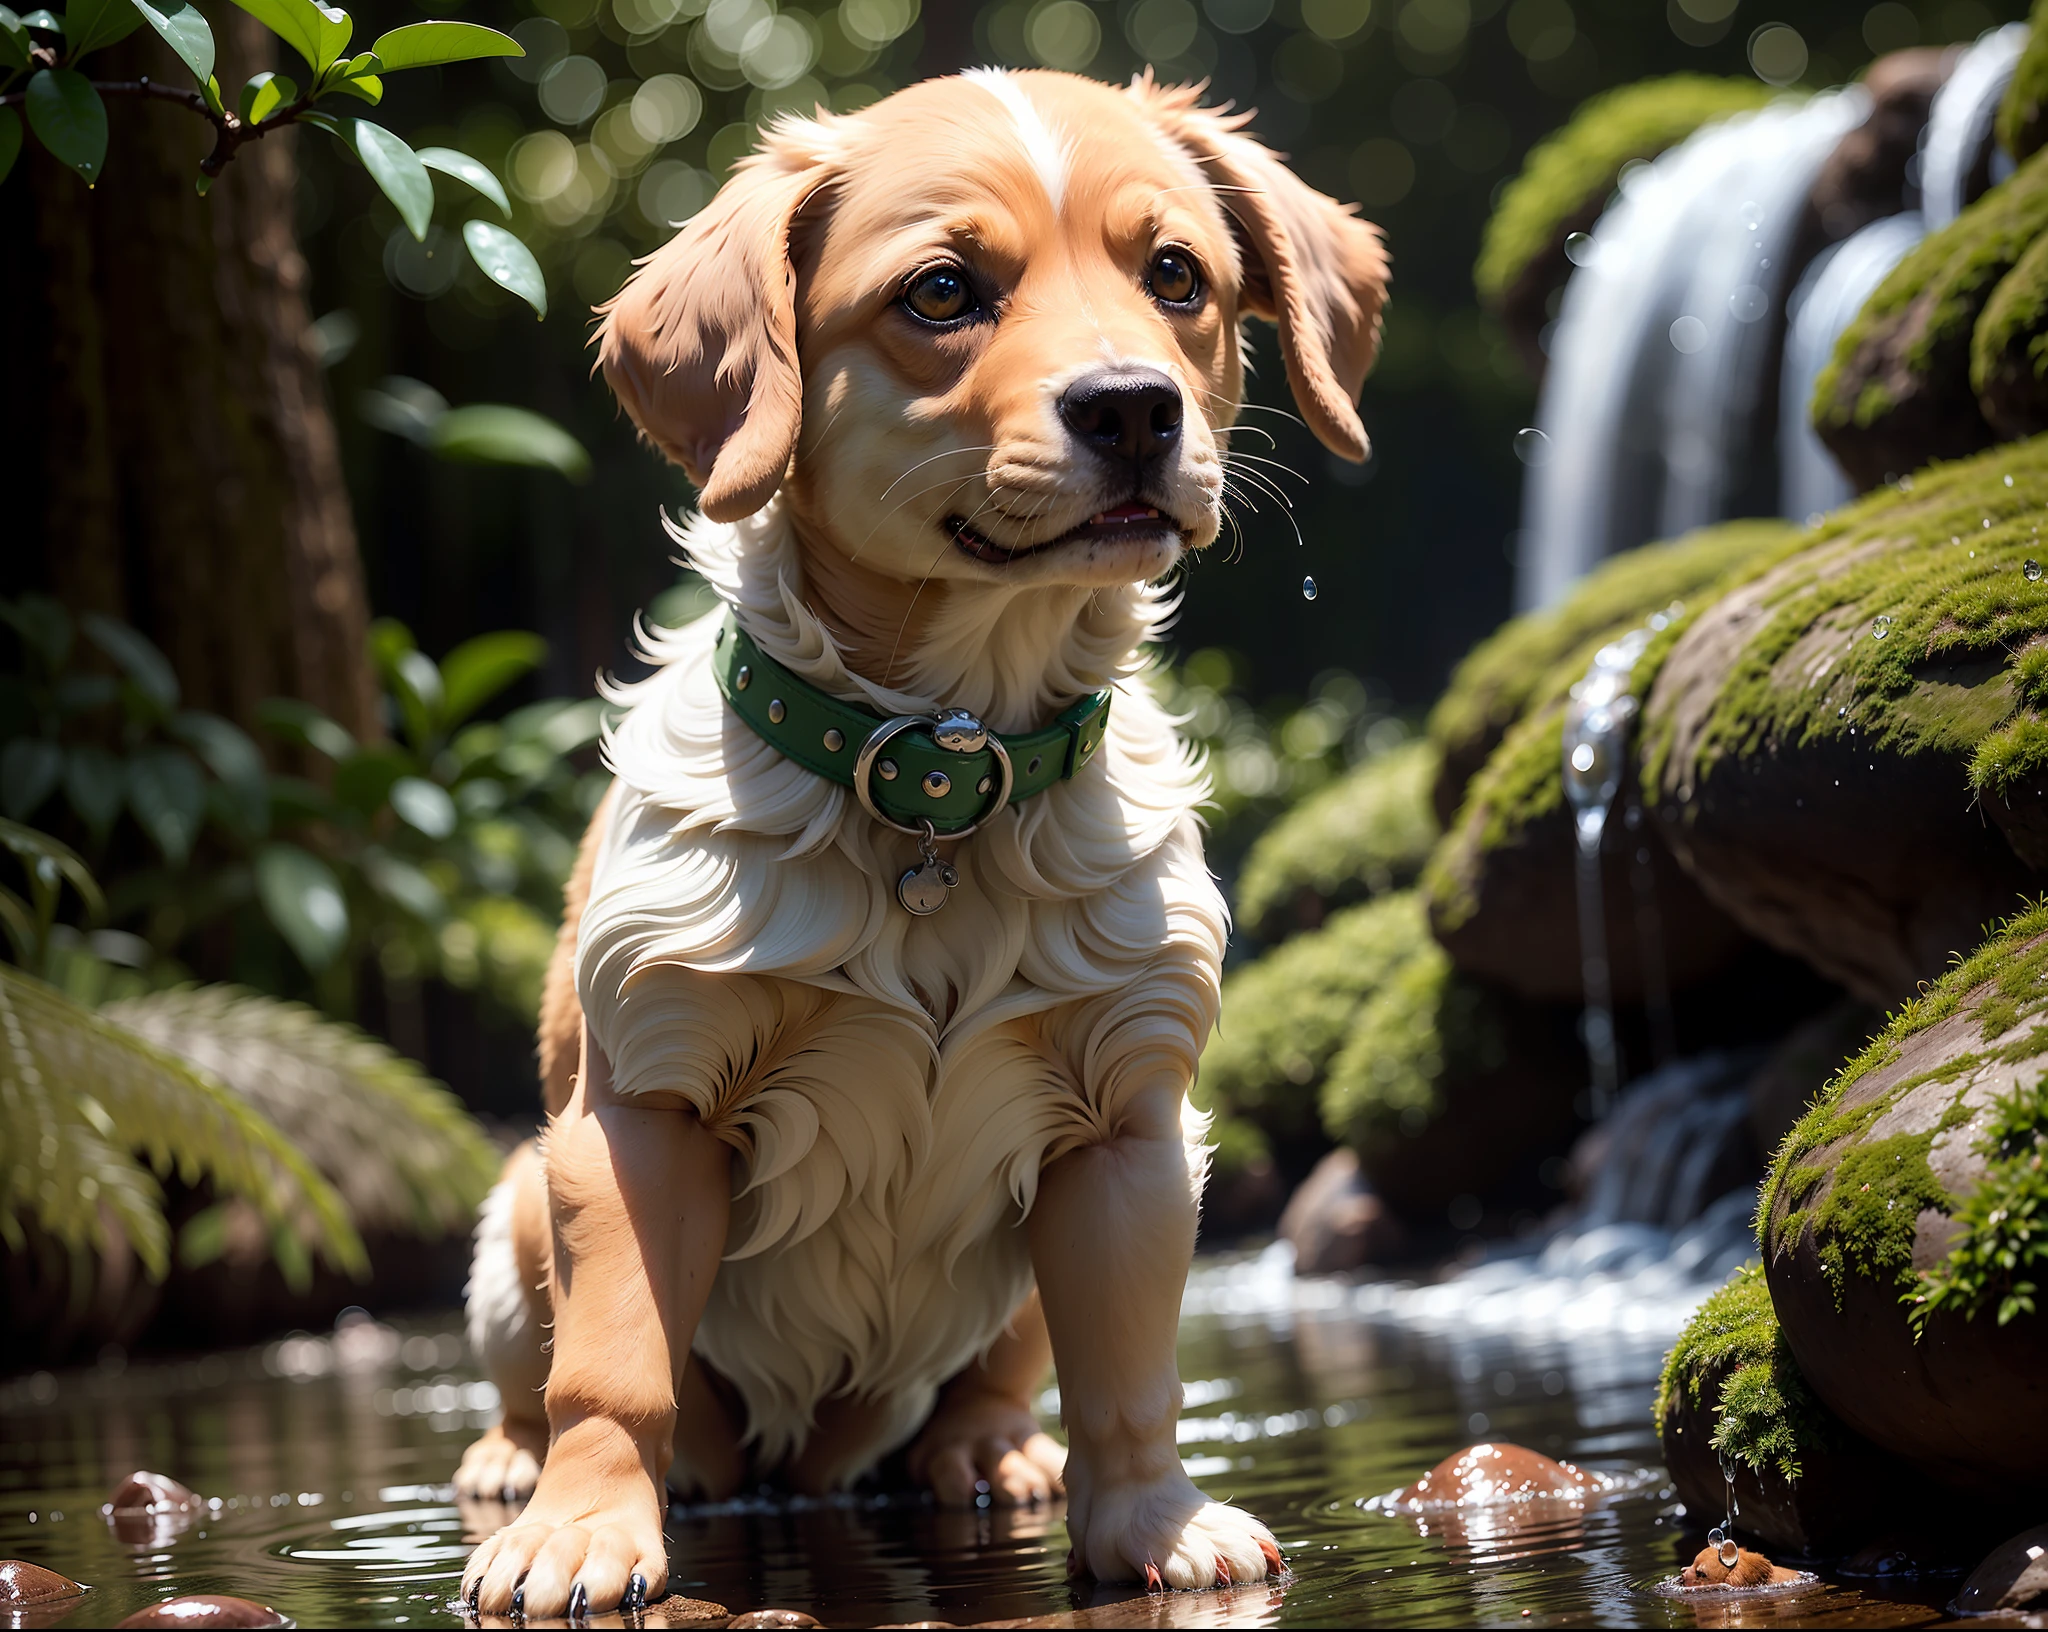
{"points": [[926, 887]]}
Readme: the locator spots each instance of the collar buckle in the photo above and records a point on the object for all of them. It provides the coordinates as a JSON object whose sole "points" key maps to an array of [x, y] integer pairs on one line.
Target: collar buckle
{"points": [[957, 732]]}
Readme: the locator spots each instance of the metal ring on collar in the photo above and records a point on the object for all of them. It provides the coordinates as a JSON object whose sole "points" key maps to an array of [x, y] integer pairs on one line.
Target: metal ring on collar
{"points": [[870, 751]]}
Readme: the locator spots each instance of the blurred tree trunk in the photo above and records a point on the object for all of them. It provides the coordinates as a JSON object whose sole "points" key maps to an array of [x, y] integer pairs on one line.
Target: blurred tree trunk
{"points": [[176, 463]]}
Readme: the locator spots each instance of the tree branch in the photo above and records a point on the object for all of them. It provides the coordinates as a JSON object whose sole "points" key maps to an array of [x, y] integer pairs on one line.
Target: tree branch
{"points": [[230, 131]]}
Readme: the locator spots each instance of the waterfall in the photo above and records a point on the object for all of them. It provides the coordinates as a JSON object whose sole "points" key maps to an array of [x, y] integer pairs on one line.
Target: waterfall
{"points": [[1954, 166]]}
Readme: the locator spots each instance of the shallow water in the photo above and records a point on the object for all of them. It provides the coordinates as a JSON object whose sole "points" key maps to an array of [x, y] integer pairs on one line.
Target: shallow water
{"points": [[330, 1459]]}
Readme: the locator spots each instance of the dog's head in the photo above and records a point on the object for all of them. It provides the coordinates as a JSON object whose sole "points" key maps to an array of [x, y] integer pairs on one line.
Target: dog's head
{"points": [[987, 330], [1707, 1570]]}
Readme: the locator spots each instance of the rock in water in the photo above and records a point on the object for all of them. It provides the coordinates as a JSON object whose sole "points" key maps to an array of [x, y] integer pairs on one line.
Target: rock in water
{"points": [[1335, 1222], [774, 1617], [24, 1583], [2014, 1577], [1748, 1570], [149, 1509], [206, 1609], [1904, 1200], [1481, 1475]]}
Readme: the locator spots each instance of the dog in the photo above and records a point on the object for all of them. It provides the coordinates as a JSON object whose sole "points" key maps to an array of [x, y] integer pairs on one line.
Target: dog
{"points": [[856, 1121], [1748, 1570]]}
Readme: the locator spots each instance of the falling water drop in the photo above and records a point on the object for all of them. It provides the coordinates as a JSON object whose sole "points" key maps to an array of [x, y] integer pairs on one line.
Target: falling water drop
{"points": [[1880, 626], [1688, 334], [1578, 248], [1532, 447], [2008, 481], [1752, 215], [2033, 570], [1748, 303], [1583, 758], [1308, 589]]}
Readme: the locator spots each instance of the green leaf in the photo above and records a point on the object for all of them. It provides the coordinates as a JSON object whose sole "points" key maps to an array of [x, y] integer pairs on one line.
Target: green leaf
{"points": [[30, 769], [303, 898], [478, 669], [138, 657], [167, 794], [35, 849], [304, 724], [424, 45], [336, 29], [301, 24], [232, 757], [94, 781], [363, 781], [211, 91], [396, 169], [13, 41], [473, 171], [364, 87], [264, 95], [424, 805], [44, 626], [405, 407], [91, 25], [507, 262], [10, 141], [49, 22], [491, 433], [403, 884], [69, 118], [185, 32]]}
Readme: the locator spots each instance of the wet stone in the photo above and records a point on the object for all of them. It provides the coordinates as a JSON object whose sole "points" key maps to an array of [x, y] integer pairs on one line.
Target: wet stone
{"points": [[2014, 1577], [685, 1612], [1482, 1474], [24, 1583], [206, 1609], [775, 1617], [145, 1492]]}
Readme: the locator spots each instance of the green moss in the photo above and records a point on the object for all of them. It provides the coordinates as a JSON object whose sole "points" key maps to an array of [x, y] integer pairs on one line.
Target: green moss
{"points": [[1521, 784], [2023, 115], [1366, 834], [1937, 563], [1577, 166], [1766, 1416], [2003, 1243], [1540, 654], [2009, 346], [1287, 1014], [1421, 1026], [1939, 289], [2010, 757]]}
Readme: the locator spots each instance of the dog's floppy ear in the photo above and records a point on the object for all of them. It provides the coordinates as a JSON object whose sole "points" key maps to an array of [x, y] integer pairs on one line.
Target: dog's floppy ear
{"points": [[1311, 265], [700, 345]]}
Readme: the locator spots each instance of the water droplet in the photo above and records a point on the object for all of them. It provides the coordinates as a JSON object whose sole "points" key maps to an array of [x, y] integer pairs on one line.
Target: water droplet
{"points": [[1749, 303], [1308, 589], [2033, 570], [1583, 757], [1532, 447], [2008, 481], [1752, 215], [1688, 334], [1729, 1555], [1987, 522], [1578, 248], [1880, 626]]}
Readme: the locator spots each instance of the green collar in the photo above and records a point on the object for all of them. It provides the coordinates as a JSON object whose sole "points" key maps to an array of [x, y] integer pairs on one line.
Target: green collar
{"points": [[947, 769]]}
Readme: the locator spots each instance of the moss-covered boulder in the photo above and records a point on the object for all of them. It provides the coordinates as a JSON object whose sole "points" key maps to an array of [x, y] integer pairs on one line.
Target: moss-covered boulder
{"points": [[2023, 115], [2009, 348], [1447, 1087], [1570, 176], [1366, 834], [1732, 1396], [1905, 1226], [1501, 886], [1808, 741], [1898, 391]]}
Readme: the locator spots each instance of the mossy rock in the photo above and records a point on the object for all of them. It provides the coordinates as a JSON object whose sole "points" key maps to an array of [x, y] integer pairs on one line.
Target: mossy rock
{"points": [[2023, 115], [1366, 834], [1732, 1389], [1905, 1226], [1446, 1087], [1897, 391], [1807, 746], [1501, 886], [2009, 349], [1540, 654], [1569, 178]]}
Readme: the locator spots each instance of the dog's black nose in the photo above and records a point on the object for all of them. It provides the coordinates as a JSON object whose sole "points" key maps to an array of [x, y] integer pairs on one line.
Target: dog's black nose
{"points": [[1132, 415]]}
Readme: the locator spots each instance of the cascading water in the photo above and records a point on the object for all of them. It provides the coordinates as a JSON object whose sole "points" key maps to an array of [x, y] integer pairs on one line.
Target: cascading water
{"points": [[1958, 158]]}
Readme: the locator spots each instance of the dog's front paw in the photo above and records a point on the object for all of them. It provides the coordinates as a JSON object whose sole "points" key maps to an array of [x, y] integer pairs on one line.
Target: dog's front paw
{"points": [[1168, 1534], [569, 1556], [504, 1465], [981, 1443]]}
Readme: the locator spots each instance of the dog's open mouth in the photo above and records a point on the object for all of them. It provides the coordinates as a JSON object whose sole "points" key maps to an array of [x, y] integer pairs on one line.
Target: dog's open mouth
{"points": [[1124, 521]]}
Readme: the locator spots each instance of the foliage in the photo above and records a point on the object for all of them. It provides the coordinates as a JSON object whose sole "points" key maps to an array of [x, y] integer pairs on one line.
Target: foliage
{"points": [[2022, 114], [1363, 835], [1766, 1416], [2004, 1220], [482, 433], [1572, 171], [41, 52]]}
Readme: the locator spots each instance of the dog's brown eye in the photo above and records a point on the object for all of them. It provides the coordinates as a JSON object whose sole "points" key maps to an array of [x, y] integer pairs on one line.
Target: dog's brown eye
{"points": [[940, 296], [1173, 278]]}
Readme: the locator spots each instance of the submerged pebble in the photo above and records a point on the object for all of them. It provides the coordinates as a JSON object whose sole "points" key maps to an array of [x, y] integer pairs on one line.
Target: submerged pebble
{"points": [[24, 1583], [2013, 1578], [775, 1617], [1482, 1474], [206, 1609], [150, 1509]]}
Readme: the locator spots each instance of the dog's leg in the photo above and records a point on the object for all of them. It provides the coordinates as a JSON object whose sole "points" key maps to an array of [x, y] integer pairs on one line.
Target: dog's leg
{"points": [[1112, 1233], [984, 1437], [639, 1199], [508, 1318]]}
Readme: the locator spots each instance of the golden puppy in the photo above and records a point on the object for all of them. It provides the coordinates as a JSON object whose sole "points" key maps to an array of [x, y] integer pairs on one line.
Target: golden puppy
{"points": [[855, 1125], [1748, 1570]]}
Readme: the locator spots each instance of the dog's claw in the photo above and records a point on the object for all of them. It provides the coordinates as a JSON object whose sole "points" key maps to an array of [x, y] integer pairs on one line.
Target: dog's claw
{"points": [[1153, 1583], [579, 1601], [1223, 1578], [636, 1592], [519, 1602], [1274, 1562]]}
